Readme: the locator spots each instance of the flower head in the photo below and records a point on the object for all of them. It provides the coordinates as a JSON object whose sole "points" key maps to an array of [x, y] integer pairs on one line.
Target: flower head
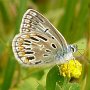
{"points": [[71, 69]]}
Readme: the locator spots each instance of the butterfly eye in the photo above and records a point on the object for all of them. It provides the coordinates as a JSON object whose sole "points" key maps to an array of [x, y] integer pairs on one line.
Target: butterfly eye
{"points": [[73, 48]]}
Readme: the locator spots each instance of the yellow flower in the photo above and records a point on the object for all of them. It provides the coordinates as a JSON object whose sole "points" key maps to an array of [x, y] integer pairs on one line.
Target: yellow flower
{"points": [[71, 69]]}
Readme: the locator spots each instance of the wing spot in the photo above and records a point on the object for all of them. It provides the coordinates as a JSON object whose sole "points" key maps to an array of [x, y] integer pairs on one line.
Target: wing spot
{"points": [[18, 43], [45, 55], [38, 62], [26, 21], [54, 46], [31, 58], [42, 37], [20, 39], [30, 52], [19, 48], [26, 44], [46, 30], [52, 37], [47, 50], [28, 48], [26, 61], [39, 18], [21, 54], [33, 38], [27, 41], [33, 13], [25, 36], [28, 16]]}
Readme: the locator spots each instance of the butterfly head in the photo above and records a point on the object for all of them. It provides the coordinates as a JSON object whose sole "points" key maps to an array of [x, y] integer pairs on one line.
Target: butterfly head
{"points": [[72, 48], [69, 53]]}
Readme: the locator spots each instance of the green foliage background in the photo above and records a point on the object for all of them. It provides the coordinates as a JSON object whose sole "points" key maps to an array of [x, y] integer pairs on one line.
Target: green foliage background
{"points": [[70, 17]]}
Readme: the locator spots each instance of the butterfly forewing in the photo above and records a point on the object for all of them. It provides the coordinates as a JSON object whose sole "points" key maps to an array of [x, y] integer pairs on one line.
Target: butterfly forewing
{"points": [[34, 21]]}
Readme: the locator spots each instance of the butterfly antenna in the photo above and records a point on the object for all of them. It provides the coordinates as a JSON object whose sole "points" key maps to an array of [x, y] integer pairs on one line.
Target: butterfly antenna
{"points": [[84, 57], [81, 49]]}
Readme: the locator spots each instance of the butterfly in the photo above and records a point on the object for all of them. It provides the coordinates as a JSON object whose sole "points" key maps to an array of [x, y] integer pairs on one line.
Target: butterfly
{"points": [[39, 42]]}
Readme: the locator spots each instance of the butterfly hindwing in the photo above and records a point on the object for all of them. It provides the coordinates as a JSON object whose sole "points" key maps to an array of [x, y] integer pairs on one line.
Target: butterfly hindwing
{"points": [[34, 48]]}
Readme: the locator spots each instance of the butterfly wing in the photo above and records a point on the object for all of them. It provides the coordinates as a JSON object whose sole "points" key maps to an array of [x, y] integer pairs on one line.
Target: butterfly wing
{"points": [[34, 48], [34, 21], [38, 42]]}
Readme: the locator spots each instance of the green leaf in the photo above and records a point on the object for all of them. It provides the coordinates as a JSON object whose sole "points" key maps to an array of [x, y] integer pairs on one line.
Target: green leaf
{"points": [[58, 87], [4, 13], [28, 84], [52, 78], [11, 62], [1, 48], [80, 23], [71, 86], [61, 80], [65, 25], [40, 87], [38, 74], [9, 74], [21, 11]]}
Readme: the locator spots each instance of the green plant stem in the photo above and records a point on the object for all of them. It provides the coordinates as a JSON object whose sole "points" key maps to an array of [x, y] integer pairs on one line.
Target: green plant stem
{"points": [[9, 72]]}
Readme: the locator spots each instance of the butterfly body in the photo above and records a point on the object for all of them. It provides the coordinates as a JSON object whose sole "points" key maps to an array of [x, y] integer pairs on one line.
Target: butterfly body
{"points": [[39, 42]]}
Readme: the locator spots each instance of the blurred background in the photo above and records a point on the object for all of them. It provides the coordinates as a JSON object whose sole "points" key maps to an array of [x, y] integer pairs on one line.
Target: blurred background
{"points": [[70, 17]]}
